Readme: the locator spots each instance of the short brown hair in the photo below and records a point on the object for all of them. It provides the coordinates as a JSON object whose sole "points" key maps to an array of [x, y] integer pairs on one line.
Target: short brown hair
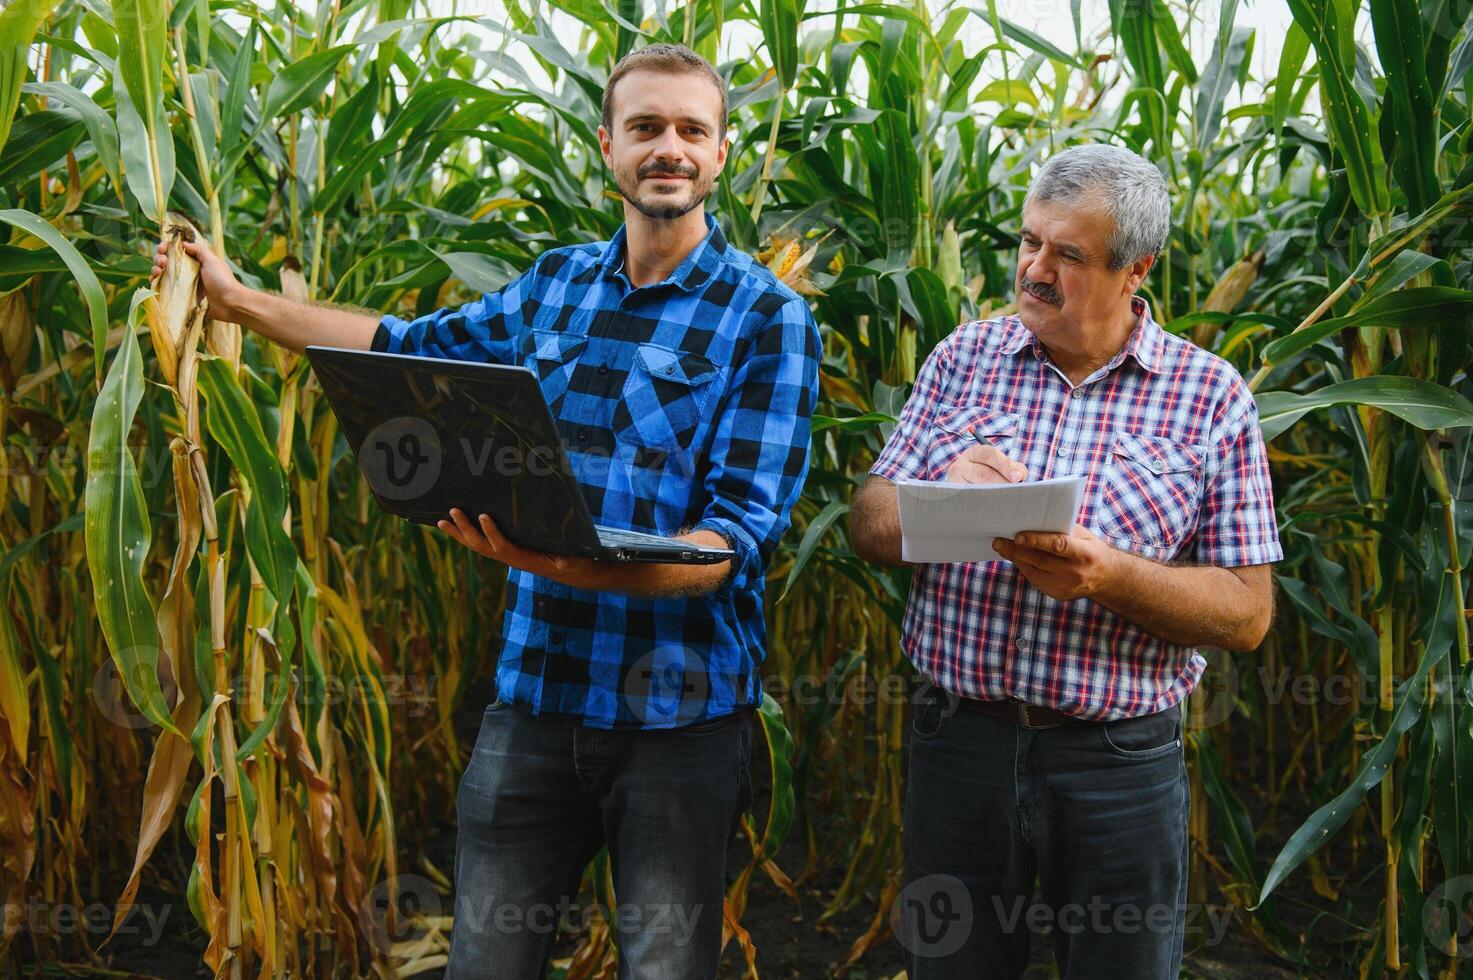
{"points": [[676, 59]]}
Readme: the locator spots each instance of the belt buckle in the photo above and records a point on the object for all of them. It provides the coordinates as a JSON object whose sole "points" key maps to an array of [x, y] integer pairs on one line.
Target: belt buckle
{"points": [[1023, 720]]}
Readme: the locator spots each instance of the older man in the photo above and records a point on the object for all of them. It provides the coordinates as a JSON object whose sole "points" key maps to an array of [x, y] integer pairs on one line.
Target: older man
{"points": [[1050, 746]]}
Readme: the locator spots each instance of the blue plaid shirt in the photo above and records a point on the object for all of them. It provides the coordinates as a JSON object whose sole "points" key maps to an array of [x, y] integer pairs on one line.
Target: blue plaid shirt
{"points": [[682, 405]]}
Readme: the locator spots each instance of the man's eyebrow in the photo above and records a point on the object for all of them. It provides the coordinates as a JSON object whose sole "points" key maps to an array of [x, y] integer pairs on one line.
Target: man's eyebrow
{"points": [[1061, 246], [656, 117]]}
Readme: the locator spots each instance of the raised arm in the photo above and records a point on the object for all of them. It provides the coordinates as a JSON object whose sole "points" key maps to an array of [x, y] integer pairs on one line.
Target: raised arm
{"points": [[291, 324]]}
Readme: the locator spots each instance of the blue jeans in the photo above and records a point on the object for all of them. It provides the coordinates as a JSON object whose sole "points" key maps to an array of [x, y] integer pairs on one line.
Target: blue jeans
{"points": [[1097, 812], [541, 796]]}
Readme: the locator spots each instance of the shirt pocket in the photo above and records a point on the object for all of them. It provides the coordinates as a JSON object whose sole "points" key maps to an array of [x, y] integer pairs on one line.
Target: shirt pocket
{"points": [[952, 432], [1152, 489], [665, 397], [553, 354]]}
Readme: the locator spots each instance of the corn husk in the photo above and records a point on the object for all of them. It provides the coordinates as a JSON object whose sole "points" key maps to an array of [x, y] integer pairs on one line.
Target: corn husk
{"points": [[177, 302], [789, 262], [293, 287], [1228, 293], [223, 340], [17, 335]]}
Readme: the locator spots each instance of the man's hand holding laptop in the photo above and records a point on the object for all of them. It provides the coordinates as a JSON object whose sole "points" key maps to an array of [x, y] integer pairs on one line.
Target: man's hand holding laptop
{"points": [[484, 538]]}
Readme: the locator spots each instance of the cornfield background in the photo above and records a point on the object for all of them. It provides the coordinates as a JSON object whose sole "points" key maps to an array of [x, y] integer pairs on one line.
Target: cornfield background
{"points": [[229, 681]]}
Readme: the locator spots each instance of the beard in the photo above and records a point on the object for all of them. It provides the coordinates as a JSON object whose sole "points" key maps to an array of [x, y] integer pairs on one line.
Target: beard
{"points": [[663, 209]]}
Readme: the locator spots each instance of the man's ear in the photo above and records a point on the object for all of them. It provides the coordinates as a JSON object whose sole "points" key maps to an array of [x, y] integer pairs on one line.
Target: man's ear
{"points": [[1137, 273], [606, 146], [721, 153]]}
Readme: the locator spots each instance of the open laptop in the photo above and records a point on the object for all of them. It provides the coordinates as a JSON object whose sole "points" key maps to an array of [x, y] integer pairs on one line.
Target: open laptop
{"points": [[431, 434]]}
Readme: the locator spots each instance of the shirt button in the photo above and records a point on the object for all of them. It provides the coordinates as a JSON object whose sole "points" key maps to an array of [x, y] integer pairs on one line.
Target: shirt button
{"points": [[1022, 644], [1077, 393], [670, 369], [603, 369], [1063, 451], [582, 435], [555, 638]]}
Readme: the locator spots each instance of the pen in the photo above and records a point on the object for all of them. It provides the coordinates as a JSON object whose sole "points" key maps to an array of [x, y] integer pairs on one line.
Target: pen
{"points": [[982, 441]]}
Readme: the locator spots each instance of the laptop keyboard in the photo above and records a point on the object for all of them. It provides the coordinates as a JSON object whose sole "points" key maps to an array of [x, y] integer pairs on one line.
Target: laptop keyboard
{"points": [[612, 537]]}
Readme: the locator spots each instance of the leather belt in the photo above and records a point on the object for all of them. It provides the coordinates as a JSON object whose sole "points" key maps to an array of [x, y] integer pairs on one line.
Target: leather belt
{"points": [[1020, 713]]}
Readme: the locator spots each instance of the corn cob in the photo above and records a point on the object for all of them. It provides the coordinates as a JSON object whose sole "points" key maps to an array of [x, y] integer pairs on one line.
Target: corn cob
{"points": [[176, 301], [17, 333]]}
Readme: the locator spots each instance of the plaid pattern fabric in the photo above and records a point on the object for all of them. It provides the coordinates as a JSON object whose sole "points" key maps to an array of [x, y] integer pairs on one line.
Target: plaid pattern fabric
{"points": [[1167, 438], [682, 405]]}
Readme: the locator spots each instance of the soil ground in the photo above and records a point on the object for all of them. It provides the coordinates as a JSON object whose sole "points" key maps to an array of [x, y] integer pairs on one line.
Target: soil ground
{"points": [[788, 942]]}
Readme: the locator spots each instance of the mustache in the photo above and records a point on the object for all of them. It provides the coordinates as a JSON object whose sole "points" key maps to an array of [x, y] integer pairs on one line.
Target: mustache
{"points": [[1043, 291], [650, 169]]}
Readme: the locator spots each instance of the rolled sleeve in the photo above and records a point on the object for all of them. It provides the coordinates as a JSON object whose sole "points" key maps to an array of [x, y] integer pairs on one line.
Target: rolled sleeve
{"points": [[759, 453], [1237, 524], [905, 452]]}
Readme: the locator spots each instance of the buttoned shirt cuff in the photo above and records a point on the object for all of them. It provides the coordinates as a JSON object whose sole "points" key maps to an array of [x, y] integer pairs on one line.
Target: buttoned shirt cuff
{"points": [[745, 564]]}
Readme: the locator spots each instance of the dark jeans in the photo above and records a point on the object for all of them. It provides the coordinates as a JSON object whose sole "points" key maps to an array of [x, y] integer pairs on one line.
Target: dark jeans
{"points": [[1097, 812], [539, 798]]}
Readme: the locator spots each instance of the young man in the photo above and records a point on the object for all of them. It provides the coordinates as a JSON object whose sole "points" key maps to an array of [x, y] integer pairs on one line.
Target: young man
{"points": [[1071, 658], [682, 376]]}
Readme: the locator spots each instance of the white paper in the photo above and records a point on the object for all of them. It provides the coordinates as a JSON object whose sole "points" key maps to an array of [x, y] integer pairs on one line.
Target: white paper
{"points": [[941, 522]]}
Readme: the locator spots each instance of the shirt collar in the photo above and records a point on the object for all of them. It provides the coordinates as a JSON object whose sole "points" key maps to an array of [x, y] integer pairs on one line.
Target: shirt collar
{"points": [[694, 271], [1145, 343]]}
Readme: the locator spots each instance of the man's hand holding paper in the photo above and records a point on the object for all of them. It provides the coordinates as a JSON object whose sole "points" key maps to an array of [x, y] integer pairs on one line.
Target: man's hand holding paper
{"points": [[985, 497]]}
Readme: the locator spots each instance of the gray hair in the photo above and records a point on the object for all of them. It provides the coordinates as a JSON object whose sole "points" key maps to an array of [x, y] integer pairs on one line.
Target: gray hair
{"points": [[1124, 184]]}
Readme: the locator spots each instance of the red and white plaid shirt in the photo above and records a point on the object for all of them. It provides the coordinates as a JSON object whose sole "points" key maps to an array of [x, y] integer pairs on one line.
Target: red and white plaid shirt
{"points": [[1167, 437]]}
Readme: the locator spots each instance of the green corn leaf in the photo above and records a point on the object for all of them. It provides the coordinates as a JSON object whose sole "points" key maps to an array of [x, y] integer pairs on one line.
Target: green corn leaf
{"points": [[1402, 51], [100, 126], [1330, 26], [1425, 306], [779, 22], [302, 83], [39, 140], [1038, 43], [86, 280], [1315, 832], [234, 423], [817, 528], [148, 150], [1291, 63], [118, 532], [18, 24], [784, 800], [1421, 403], [1217, 80]]}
